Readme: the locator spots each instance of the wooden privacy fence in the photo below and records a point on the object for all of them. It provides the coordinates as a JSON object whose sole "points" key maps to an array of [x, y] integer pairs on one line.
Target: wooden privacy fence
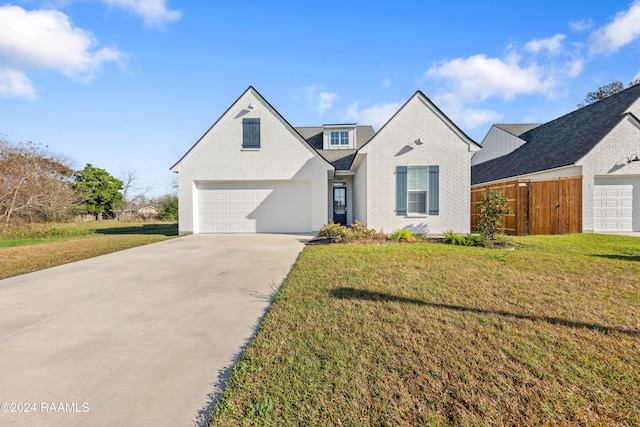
{"points": [[549, 206]]}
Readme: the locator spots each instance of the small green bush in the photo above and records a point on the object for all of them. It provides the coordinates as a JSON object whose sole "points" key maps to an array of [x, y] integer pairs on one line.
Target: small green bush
{"points": [[454, 238], [457, 239], [476, 240], [404, 234]]}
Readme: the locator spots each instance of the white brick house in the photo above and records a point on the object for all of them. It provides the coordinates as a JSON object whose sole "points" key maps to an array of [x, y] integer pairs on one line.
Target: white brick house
{"points": [[600, 143], [254, 172]]}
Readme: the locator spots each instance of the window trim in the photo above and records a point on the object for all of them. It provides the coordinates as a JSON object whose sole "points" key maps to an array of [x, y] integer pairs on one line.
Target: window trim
{"points": [[424, 169], [432, 193], [339, 138]]}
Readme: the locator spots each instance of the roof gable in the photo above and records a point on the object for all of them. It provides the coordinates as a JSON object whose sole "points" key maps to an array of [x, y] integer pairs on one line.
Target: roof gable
{"points": [[250, 90], [419, 95], [560, 142]]}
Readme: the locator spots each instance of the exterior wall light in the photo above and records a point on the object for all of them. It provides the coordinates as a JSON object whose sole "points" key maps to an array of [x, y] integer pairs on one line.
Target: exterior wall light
{"points": [[418, 141]]}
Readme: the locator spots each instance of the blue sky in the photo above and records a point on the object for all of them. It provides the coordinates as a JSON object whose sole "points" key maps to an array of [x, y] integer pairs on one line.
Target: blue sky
{"points": [[130, 85]]}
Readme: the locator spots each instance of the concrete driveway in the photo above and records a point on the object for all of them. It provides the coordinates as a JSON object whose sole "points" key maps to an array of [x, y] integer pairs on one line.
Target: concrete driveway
{"points": [[141, 337]]}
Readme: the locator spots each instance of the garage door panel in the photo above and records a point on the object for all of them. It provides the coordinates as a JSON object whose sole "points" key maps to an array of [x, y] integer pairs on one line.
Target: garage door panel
{"points": [[246, 207], [613, 207]]}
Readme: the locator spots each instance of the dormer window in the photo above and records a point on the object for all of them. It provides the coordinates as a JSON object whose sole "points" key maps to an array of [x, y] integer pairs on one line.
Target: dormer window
{"points": [[339, 138]]}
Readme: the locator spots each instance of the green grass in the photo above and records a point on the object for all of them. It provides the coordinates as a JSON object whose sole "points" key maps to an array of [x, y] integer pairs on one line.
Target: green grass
{"points": [[41, 233], [30, 249], [429, 334]]}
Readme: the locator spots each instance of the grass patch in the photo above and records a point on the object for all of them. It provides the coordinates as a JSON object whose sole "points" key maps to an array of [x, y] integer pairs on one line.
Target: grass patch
{"points": [[30, 235], [31, 249], [428, 334]]}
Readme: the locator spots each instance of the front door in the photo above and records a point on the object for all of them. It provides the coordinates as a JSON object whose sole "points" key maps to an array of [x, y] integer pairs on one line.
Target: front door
{"points": [[340, 205]]}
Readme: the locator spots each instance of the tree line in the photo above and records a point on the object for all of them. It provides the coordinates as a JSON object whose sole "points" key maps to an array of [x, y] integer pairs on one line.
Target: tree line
{"points": [[606, 91], [38, 185]]}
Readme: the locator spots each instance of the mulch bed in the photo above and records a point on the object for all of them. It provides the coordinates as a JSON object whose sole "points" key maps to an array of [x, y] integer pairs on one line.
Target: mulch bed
{"points": [[329, 241]]}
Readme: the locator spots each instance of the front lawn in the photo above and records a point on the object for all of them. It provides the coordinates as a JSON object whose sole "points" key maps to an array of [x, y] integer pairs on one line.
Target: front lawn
{"points": [[432, 334], [34, 248]]}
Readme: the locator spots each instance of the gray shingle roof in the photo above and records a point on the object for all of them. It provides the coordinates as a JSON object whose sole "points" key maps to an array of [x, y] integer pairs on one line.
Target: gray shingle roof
{"points": [[340, 159], [517, 129], [560, 142]]}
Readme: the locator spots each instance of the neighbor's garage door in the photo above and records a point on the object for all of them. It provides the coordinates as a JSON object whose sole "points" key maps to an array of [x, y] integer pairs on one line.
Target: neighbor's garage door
{"points": [[250, 207], [613, 207]]}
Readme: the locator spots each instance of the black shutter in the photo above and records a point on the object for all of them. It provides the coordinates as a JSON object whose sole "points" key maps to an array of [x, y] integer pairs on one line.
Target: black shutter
{"points": [[250, 133], [434, 190], [401, 190]]}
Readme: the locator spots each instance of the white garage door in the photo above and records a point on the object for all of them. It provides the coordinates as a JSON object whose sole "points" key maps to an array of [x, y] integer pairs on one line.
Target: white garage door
{"points": [[613, 208], [250, 207]]}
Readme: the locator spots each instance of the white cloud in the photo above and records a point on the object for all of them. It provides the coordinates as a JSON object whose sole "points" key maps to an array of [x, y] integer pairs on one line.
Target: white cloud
{"points": [[624, 29], [581, 26], [553, 45], [472, 118], [325, 101], [574, 67], [47, 39], [477, 78], [376, 115], [473, 80], [153, 12], [322, 100], [386, 83], [13, 83]]}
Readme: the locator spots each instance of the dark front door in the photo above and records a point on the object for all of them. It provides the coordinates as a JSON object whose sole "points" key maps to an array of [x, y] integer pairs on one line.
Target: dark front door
{"points": [[340, 205]]}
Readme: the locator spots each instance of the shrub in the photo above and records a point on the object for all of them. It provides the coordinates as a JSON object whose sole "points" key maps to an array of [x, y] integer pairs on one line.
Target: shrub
{"points": [[336, 232], [404, 234], [168, 207], [492, 207], [470, 240], [476, 240], [454, 238], [356, 232], [361, 232]]}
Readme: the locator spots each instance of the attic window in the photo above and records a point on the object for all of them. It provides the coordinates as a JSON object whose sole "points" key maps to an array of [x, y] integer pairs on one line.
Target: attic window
{"points": [[339, 138]]}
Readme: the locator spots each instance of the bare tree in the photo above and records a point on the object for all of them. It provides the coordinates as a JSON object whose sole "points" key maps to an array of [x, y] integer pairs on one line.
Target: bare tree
{"points": [[605, 91], [33, 182], [132, 195]]}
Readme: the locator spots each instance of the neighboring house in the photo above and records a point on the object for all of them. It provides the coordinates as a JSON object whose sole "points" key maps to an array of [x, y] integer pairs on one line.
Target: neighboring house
{"points": [[599, 142], [500, 140], [254, 172]]}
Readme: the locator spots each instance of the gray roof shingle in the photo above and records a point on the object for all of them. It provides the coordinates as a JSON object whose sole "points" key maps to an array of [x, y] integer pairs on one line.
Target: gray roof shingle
{"points": [[517, 129], [340, 159], [560, 142]]}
